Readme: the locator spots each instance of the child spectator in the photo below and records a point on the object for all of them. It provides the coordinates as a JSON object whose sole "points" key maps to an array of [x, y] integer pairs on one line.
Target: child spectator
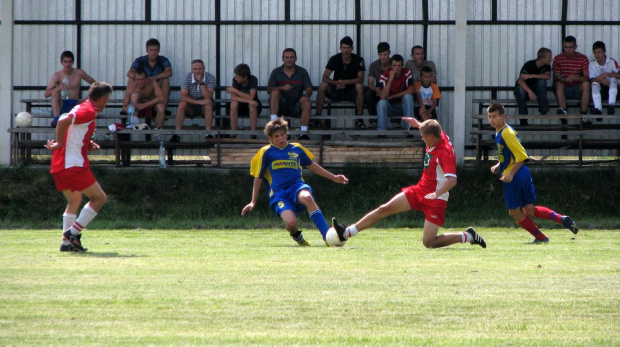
{"points": [[427, 95], [244, 95], [604, 74]]}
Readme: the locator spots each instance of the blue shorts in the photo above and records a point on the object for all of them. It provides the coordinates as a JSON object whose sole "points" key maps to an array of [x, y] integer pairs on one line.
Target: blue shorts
{"points": [[67, 106], [520, 192], [287, 199]]}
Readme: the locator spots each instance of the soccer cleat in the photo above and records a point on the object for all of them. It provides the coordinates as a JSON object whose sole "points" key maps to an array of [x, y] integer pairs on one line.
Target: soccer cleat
{"points": [[340, 229], [596, 111], [611, 110], [303, 243], [74, 240], [476, 239], [538, 242], [569, 224], [67, 248]]}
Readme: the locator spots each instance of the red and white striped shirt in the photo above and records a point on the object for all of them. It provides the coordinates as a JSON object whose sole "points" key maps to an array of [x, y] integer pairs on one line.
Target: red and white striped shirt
{"points": [[77, 138], [577, 65]]}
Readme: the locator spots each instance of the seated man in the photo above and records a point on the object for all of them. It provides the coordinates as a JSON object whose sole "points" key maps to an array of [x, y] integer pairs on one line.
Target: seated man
{"points": [[396, 94], [417, 62], [376, 68], [604, 74], [348, 81], [157, 68], [571, 76], [286, 87], [196, 97], [532, 83], [427, 96], [145, 95], [64, 87], [244, 95]]}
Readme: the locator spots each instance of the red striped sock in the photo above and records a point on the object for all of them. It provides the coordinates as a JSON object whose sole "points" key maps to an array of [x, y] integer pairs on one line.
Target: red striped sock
{"points": [[529, 225], [546, 213]]}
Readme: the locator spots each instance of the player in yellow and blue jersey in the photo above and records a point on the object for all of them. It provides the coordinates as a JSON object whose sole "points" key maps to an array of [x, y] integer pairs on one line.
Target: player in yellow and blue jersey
{"points": [[279, 166], [518, 186]]}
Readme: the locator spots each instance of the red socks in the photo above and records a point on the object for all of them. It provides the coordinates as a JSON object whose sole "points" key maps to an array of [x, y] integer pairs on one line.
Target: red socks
{"points": [[529, 225], [545, 213]]}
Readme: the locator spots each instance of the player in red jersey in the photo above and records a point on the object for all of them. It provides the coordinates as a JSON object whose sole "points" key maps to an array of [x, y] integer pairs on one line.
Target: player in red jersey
{"points": [[429, 195], [70, 167]]}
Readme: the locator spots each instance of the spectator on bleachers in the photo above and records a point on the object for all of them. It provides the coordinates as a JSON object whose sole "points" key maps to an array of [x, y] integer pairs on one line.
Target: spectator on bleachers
{"points": [[571, 76], [244, 96], [286, 88], [348, 81], [427, 95], [196, 97], [65, 96], [532, 83], [418, 61], [146, 95], [376, 68], [396, 94], [604, 74], [157, 67]]}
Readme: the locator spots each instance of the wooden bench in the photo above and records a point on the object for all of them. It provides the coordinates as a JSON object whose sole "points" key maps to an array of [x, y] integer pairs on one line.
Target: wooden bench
{"points": [[582, 136], [512, 103]]}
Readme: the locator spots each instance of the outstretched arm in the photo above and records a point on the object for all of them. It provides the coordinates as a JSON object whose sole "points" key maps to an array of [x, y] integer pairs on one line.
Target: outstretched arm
{"points": [[258, 182], [412, 121], [319, 170]]}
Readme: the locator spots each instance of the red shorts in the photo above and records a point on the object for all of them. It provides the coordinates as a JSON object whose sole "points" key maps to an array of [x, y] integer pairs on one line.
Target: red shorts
{"points": [[434, 210], [146, 113], [74, 178]]}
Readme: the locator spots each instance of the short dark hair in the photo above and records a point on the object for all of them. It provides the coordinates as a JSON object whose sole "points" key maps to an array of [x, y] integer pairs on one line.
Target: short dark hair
{"points": [[570, 39], [599, 44], [346, 41], [152, 42], [140, 71], [383, 47], [278, 124], [198, 61], [496, 107], [542, 52], [242, 70], [416, 47], [99, 89], [396, 57], [289, 50], [426, 69], [67, 54]]}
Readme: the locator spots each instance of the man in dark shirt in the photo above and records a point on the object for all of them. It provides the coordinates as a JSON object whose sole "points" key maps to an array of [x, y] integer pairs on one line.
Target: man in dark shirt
{"points": [[348, 81], [532, 83]]}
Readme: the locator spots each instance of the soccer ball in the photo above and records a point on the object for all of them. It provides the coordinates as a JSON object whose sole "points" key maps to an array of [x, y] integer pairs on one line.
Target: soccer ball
{"points": [[23, 120], [332, 240]]}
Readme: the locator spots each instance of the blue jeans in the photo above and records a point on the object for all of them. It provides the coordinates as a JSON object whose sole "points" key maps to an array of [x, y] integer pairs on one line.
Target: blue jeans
{"points": [[540, 89], [393, 109]]}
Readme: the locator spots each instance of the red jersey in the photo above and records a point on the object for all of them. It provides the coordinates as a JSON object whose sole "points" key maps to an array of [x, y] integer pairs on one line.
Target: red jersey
{"points": [[577, 65], [77, 139], [398, 84], [439, 163]]}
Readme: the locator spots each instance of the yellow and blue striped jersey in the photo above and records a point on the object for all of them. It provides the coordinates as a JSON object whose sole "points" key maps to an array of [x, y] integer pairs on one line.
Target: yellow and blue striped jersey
{"points": [[280, 167], [509, 148]]}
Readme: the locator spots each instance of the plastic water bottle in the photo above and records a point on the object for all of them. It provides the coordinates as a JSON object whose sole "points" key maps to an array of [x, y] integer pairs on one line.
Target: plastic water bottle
{"points": [[64, 94], [131, 109], [162, 155]]}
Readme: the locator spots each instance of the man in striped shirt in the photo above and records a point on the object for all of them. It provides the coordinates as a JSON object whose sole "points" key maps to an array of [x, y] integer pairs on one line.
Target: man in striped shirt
{"points": [[196, 97], [571, 76]]}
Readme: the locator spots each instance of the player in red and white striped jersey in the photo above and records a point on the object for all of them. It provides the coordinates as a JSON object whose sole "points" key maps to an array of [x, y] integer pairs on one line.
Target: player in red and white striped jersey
{"points": [[70, 166]]}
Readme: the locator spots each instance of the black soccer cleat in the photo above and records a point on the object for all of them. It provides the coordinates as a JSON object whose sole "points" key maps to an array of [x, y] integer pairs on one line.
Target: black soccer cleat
{"points": [[569, 224], [477, 239], [67, 248], [74, 240], [340, 229]]}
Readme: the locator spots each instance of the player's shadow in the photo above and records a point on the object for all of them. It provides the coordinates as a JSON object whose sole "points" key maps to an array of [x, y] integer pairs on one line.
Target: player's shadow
{"points": [[107, 255]]}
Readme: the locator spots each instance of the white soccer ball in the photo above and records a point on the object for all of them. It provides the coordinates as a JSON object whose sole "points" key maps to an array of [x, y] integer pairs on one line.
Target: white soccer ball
{"points": [[332, 240], [23, 120]]}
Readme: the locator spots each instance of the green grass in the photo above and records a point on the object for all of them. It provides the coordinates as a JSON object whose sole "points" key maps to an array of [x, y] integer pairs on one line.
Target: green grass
{"points": [[242, 287]]}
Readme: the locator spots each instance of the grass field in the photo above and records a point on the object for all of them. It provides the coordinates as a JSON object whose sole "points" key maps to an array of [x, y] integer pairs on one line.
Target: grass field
{"points": [[242, 287]]}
